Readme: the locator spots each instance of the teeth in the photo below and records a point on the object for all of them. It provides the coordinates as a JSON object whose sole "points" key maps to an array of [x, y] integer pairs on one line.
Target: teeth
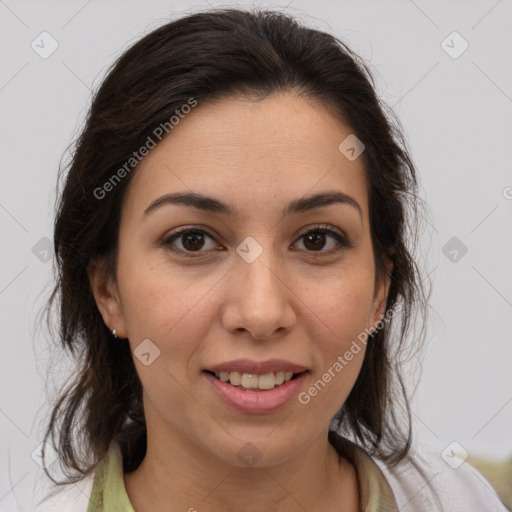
{"points": [[266, 381], [235, 378], [249, 380], [253, 381]]}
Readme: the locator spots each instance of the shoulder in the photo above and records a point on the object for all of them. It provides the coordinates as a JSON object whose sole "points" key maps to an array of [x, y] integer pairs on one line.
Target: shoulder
{"points": [[423, 481], [71, 498], [102, 488]]}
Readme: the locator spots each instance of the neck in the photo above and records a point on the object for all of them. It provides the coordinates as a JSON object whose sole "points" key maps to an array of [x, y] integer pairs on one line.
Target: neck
{"points": [[176, 475]]}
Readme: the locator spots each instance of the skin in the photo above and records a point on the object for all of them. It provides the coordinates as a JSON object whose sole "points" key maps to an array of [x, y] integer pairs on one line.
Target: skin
{"points": [[287, 304]]}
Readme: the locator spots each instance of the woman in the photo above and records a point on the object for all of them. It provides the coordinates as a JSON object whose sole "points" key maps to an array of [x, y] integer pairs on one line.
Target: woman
{"points": [[232, 245]]}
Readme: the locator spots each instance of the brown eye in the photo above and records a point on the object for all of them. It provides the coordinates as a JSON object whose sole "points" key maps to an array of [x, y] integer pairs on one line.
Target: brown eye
{"points": [[191, 240], [316, 239]]}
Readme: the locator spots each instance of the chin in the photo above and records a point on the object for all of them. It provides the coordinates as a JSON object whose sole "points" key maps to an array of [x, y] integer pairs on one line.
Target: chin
{"points": [[261, 450]]}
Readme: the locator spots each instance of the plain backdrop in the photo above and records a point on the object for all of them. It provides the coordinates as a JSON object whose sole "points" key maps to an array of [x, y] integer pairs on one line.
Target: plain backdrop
{"points": [[455, 105]]}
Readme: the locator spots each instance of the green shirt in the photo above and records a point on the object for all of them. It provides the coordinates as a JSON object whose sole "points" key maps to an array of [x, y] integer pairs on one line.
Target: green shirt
{"points": [[109, 493]]}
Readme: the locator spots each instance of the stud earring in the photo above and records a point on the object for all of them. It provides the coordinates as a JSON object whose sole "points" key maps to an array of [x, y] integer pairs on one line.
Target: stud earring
{"points": [[114, 334]]}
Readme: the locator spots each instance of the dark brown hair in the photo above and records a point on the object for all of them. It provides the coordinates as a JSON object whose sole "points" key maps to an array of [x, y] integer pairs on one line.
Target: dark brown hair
{"points": [[205, 56]]}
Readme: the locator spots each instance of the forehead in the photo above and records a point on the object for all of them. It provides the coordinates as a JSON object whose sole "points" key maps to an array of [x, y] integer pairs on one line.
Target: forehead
{"points": [[251, 152]]}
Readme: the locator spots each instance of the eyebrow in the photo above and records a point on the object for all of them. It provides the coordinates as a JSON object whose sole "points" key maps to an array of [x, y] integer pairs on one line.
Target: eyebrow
{"points": [[212, 205]]}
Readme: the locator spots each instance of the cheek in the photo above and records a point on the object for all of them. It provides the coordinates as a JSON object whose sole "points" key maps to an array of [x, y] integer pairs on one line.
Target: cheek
{"points": [[168, 307], [170, 310], [338, 319], [342, 306]]}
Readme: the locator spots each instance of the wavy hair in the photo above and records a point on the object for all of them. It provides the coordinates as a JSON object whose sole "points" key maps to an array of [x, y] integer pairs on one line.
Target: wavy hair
{"points": [[206, 56]]}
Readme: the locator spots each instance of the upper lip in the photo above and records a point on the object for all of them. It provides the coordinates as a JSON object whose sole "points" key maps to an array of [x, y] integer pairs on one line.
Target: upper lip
{"points": [[257, 367]]}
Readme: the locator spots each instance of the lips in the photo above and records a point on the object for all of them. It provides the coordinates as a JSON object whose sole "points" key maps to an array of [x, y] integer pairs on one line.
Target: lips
{"points": [[256, 387], [255, 401], [257, 367]]}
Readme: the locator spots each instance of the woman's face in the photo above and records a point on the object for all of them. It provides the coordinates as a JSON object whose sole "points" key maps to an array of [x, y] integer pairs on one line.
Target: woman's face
{"points": [[257, 289]]}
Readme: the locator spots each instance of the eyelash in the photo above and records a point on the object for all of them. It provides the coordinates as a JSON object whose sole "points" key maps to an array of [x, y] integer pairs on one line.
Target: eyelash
{"points": [[325, 230]]}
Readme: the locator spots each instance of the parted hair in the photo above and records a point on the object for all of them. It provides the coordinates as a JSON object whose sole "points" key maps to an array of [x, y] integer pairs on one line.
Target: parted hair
{"points": [[210, 55]]}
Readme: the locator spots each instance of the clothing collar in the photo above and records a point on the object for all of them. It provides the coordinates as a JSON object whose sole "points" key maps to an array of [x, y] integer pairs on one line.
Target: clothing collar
{"points": [[109, 492]]}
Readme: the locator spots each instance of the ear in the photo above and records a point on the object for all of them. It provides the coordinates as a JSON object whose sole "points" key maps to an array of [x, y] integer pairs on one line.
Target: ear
{"points": [[380, 297], [106, 295]]}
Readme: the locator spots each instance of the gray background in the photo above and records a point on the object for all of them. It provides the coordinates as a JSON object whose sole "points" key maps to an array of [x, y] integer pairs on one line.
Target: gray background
{"points": [[456, 113]]}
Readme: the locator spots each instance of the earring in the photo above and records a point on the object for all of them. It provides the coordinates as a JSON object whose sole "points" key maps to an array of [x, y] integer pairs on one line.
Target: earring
{"points": [[114, 334]]}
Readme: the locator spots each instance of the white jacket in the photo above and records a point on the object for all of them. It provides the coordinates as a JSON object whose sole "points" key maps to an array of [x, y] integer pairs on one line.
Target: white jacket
{"points": [[420, 483], [425, 483]]}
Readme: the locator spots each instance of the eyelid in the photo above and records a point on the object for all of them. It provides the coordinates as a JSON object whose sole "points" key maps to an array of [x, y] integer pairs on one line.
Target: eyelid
{"points": [[326, 228], [341, 238], [175, 235], [343, 241]]}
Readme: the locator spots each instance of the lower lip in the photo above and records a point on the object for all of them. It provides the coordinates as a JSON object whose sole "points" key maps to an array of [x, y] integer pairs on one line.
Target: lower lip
{"points": [[258, 401]]}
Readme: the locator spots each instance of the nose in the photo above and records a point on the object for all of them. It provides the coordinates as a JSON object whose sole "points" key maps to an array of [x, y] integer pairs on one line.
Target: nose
{"points": [[259, 299]]}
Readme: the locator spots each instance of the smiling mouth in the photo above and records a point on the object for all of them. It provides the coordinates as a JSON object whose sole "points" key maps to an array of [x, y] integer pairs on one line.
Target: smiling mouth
{"points": [[255, 382]]}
